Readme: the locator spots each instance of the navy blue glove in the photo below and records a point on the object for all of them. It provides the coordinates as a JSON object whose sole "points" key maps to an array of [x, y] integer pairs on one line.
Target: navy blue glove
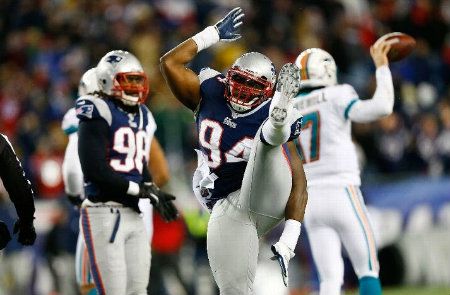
{"points": [[228, 27]]}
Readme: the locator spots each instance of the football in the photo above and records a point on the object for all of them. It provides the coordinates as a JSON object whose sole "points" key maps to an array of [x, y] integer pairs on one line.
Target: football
{"points": [[402, 48]]}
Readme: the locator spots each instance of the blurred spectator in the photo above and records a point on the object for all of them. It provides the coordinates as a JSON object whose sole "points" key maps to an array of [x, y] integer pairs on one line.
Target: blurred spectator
{"points": [[392, 141], [427, 144], [443, 140]]}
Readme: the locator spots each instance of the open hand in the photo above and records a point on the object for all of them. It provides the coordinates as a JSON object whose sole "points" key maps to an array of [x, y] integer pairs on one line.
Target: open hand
{"points": [[228, 27]]}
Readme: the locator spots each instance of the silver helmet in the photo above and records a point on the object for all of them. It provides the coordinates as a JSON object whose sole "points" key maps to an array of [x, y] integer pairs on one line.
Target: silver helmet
{"points": [[317, 68], [120, 74], [250, 81], [88, 83]]}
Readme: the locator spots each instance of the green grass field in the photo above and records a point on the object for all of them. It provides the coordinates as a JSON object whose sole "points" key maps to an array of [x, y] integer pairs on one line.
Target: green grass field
{"points": [[412, 291]]}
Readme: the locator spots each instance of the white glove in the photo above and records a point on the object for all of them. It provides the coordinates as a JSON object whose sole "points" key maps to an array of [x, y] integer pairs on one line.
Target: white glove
{"points": [[283, 254]]}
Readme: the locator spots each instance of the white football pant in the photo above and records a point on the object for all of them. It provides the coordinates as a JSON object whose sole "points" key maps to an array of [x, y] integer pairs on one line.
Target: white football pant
{"points": [[336, 214], [119, 250], [237, 222]]}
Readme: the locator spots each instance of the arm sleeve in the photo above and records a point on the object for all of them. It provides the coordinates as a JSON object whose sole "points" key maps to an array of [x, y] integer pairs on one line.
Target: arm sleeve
{"points": [[71, 168], [146, 176], [382, 102], [15, 182], [92, 146]]}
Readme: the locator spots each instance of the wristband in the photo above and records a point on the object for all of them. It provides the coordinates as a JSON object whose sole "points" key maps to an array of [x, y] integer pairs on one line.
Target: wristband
{"points": [[291, 232], [133, 188], [206, 38]]}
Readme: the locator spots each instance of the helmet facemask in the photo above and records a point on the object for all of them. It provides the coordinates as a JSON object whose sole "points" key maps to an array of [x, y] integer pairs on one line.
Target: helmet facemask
{"points": [[246, 91], [250, 81], [130, 87]]}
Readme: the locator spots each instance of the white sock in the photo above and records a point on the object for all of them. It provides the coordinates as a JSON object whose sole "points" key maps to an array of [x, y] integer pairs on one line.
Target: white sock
{"points": [[275, 135]]}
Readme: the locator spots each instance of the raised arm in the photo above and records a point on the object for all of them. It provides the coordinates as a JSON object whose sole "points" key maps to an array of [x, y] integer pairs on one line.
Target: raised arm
{"points": [[382, 102], [182, 81]]}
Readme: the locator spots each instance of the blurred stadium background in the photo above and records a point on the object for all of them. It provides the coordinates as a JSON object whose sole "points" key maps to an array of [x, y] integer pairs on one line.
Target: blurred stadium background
{"points": [[46, 45]]}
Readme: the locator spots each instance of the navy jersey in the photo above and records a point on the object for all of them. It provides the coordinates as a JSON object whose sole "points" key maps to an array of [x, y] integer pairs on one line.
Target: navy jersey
{"points": [[130, 136], [225, 136]]}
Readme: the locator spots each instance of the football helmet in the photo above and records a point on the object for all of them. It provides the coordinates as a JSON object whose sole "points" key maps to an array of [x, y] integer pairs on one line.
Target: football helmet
{"points": [[120, 75], [317, 68], [250, 81], [88, 83]]}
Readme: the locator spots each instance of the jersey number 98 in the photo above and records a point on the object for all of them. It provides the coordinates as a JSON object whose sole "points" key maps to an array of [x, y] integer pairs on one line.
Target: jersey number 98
{"points": [[133, 146]]}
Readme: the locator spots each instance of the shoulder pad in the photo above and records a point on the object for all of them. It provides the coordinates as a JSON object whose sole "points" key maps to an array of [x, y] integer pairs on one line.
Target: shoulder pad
{"points": [[207, 73], [151, 125], [90, 107], [70, 122], [347, 91]]}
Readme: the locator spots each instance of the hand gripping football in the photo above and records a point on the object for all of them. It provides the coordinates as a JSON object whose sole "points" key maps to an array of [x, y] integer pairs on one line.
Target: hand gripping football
{"points": [[400, 49]]}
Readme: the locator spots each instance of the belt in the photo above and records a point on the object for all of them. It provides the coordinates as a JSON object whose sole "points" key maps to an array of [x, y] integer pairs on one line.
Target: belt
{"points": [[108, 204]]}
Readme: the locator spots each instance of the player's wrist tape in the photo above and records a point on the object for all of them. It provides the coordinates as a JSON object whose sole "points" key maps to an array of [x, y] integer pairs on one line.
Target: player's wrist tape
{"points": [[204, 39], [291, 232], [133, 188]]}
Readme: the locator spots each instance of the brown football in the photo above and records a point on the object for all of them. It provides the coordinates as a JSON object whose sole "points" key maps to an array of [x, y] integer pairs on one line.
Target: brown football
{"points": [[402, 48]]}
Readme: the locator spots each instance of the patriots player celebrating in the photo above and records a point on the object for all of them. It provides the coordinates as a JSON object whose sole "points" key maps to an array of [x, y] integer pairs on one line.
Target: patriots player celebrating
{"points": [[332, 170], [115, 132], [244, 176]]}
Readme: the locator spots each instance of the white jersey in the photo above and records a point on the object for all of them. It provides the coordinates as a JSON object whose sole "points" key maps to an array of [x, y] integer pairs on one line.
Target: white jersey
{"points": [[70, 122], [325, 144], [72, 174]]}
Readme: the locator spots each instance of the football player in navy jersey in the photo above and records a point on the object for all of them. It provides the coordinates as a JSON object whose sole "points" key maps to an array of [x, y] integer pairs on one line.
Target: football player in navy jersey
{"points": [[244, 175], [114, 133]]}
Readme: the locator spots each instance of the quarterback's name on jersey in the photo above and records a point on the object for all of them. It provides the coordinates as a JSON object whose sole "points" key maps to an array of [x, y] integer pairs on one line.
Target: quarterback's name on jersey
{"points": [[313, 100]]}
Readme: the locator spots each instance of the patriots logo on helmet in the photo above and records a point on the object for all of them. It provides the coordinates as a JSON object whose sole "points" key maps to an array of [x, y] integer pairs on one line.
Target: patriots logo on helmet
{"points": [[114, 59]]}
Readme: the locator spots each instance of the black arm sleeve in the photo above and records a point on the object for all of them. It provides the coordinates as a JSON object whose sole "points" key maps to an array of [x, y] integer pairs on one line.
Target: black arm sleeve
{"points": [[146, 176], [92, 147], [15, 182]]}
